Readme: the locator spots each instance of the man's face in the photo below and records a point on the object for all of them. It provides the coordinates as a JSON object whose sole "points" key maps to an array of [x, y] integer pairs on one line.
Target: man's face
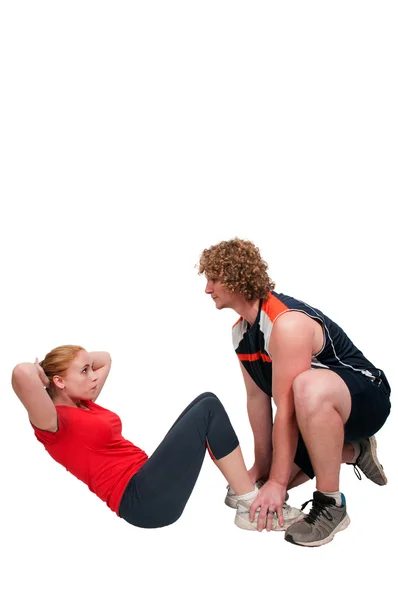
{"points": [[221, 296]]}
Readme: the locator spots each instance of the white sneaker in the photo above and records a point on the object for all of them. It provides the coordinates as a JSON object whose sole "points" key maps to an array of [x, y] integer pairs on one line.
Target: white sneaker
{"points": [[231, 499], [242, 517]]}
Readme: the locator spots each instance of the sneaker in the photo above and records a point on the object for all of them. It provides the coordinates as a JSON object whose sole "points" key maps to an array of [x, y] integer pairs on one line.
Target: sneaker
{"points": [[242, 517], [231, 499], [368, 463], [319, 527]]}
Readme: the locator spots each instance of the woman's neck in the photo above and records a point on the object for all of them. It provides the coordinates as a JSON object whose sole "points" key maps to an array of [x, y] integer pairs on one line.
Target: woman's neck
{"points": [[65, 400]]}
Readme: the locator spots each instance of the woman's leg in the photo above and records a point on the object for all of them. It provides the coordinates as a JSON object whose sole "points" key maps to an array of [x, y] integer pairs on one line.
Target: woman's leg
{"points": [[156, 496], [234, 470], [231, 465]]}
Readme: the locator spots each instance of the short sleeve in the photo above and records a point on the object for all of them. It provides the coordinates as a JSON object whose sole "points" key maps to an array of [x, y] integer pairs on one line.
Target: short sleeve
{"points": [[50, 437]]}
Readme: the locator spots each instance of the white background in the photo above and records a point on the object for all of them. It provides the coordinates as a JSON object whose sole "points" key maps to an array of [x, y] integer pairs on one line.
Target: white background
{"points": [[134, 135]]}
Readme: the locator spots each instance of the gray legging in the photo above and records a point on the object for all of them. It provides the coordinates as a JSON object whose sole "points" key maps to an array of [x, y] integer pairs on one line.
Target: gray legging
{"points": [[157, 494]]}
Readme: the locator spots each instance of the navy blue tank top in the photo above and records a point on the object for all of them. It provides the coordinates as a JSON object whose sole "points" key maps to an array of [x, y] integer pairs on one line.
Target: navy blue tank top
{"points": [[252, 343]]}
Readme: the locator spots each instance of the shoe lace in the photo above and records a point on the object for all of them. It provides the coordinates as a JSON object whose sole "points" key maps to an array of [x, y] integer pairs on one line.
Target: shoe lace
{"points": [[357, 467], [316, 511], [356, 470]]}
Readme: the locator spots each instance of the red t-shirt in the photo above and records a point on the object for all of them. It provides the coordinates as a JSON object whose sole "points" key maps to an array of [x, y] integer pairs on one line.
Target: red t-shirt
{"points": [[89, 444]]}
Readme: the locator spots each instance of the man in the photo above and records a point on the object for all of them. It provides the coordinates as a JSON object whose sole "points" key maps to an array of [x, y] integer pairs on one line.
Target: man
{"points": [[330, 399]]}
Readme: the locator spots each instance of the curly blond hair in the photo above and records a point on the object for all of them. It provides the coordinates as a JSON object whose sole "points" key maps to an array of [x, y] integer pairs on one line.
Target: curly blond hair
{"points": [[238, 265]]}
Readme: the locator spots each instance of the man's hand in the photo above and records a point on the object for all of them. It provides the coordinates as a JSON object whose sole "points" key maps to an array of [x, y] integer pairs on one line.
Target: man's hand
{"points": [[270, 500]]}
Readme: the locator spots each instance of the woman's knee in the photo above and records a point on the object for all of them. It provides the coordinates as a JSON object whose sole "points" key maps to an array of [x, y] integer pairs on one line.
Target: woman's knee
{"points": [[209, 401]]}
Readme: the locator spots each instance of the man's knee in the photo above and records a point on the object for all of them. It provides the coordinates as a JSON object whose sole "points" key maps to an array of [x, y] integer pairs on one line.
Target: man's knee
{"points": [[320, 390], [308, 393]]}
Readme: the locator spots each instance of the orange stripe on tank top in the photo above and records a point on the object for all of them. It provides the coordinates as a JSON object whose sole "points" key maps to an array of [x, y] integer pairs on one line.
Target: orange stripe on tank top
{"points": [[253, 357], [273, 307]]}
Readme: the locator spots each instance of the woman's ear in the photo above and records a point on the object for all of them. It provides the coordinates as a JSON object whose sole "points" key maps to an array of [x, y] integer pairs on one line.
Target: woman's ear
{"points": [[58, 382]]}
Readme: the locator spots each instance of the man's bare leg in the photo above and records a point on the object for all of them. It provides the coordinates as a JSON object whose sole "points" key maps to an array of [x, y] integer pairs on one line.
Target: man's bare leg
{"points": [[322, 405], [298, 477]]}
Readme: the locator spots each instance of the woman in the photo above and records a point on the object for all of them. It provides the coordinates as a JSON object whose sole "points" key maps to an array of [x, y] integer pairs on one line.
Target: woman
{"points": [[87, 440]]}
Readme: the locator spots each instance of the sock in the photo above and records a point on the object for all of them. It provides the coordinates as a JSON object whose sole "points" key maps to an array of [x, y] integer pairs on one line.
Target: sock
{"points": [[338, 496], [357, 451], [249, 496]]}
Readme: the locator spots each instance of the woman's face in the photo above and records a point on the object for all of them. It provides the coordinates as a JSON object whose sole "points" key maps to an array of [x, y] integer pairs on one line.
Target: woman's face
{"points": [[79, 381]]}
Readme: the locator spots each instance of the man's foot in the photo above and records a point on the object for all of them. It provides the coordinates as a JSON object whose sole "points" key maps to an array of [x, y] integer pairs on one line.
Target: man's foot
{"points": [[242, 517], [368, 462], [319, 527]]}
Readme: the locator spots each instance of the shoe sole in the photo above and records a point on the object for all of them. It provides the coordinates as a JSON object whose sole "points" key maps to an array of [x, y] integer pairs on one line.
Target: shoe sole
{"points": [[249, 526], [343, 525], [373, 448]]}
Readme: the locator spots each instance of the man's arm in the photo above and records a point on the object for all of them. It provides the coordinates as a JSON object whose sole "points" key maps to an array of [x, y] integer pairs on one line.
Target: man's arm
{"points": [[259, 410], [291, 348]]}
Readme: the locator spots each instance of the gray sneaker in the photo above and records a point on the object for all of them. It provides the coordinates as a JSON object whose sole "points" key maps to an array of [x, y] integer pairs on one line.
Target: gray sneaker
{"points": [[368, 462], [319, 527]]}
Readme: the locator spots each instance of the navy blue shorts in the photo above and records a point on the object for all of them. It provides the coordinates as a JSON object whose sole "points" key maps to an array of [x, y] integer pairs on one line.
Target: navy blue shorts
{"points": [[369, 410]]}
